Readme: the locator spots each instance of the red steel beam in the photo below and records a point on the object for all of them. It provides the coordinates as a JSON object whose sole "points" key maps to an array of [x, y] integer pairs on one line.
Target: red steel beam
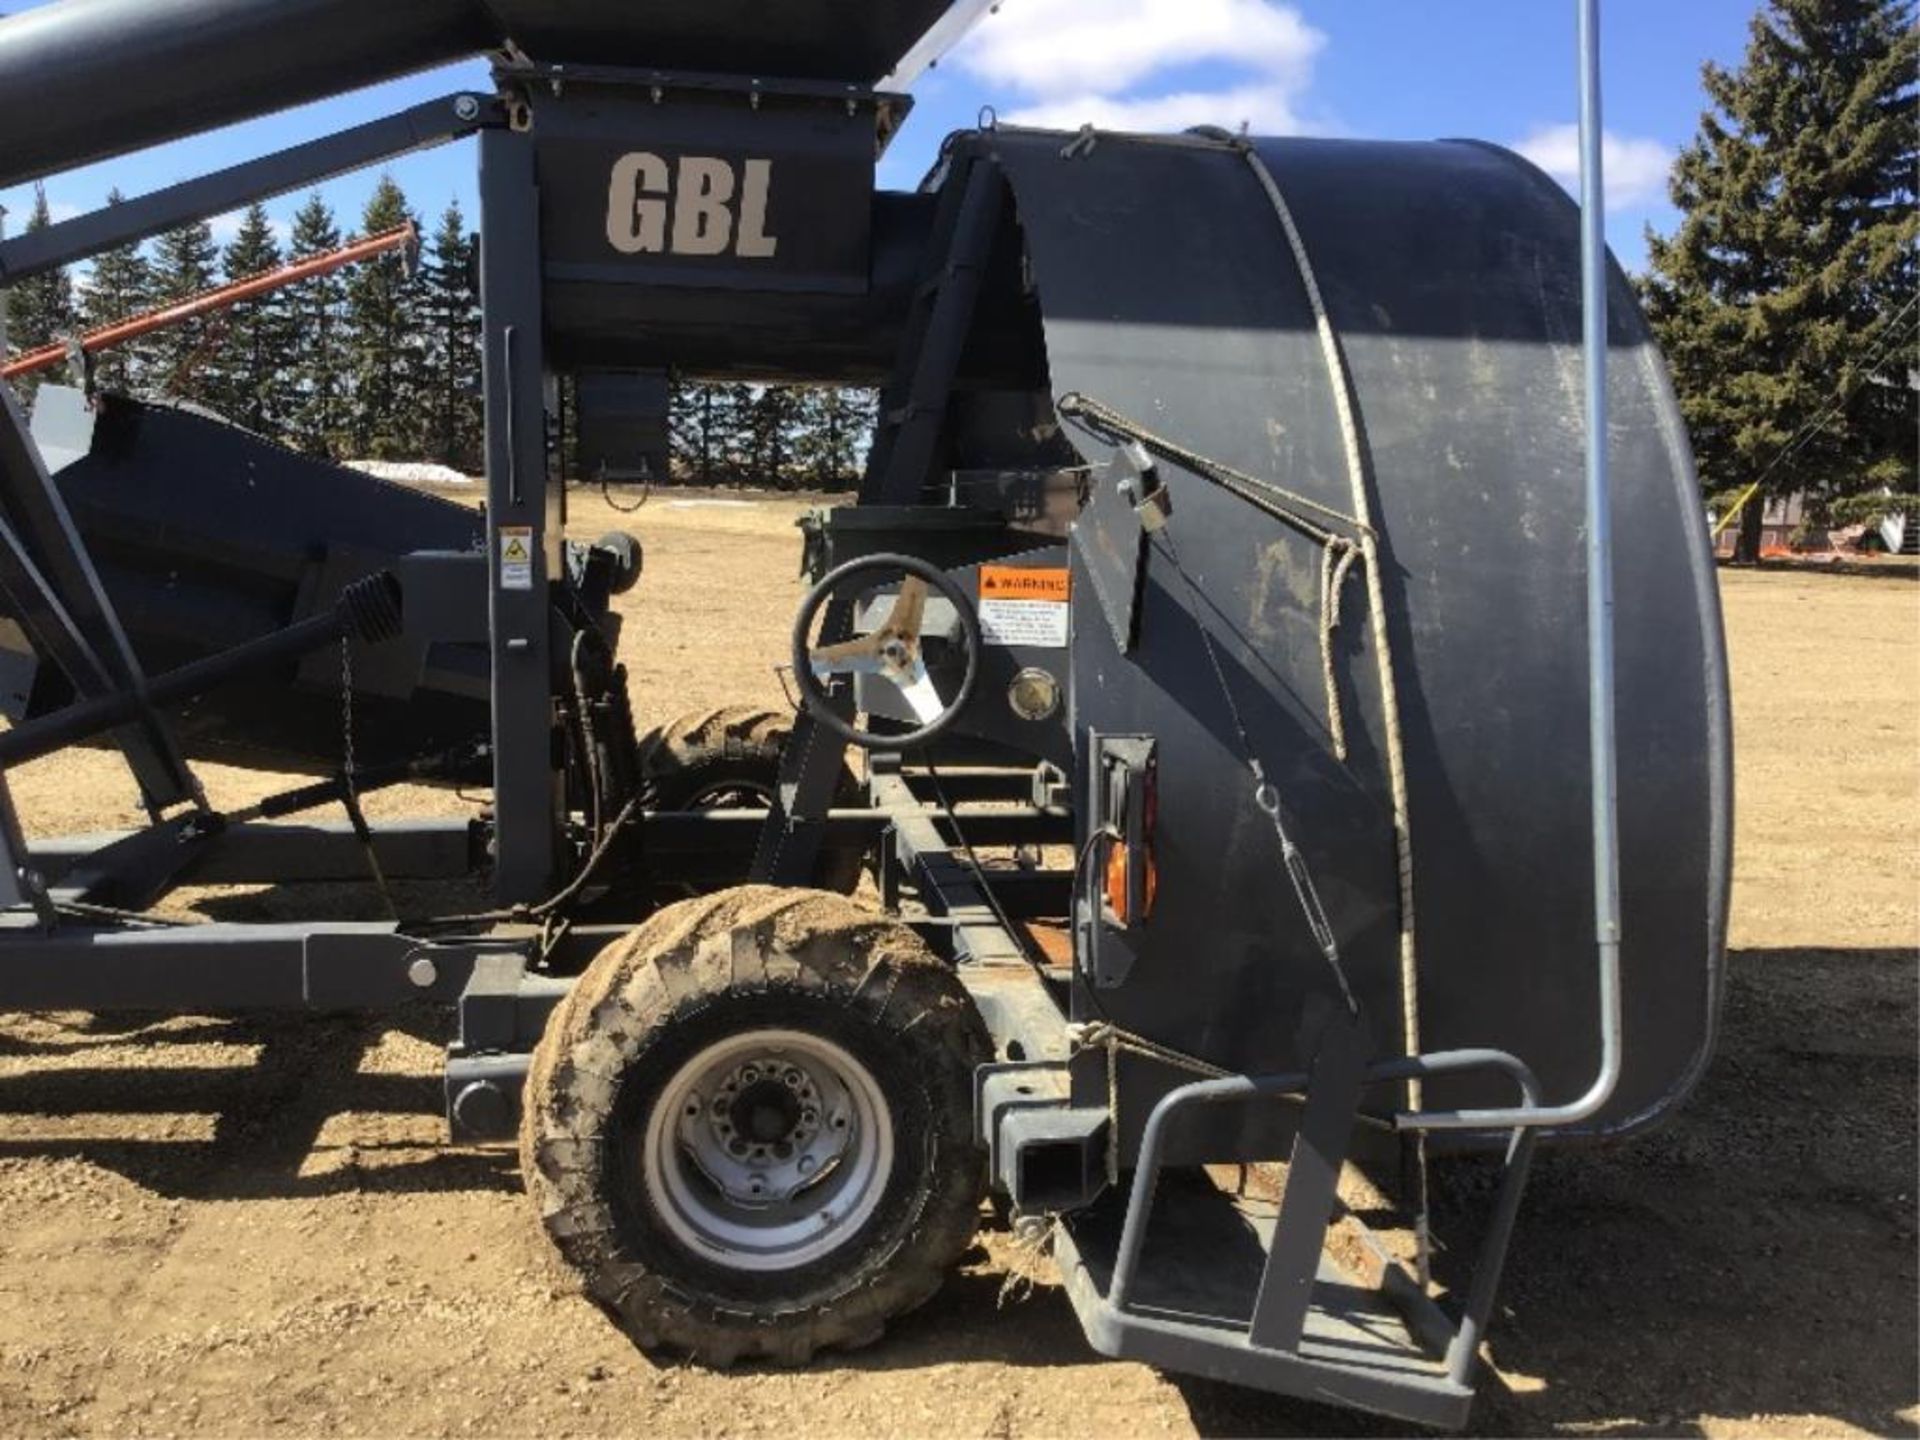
{"points": [[210, 301]]}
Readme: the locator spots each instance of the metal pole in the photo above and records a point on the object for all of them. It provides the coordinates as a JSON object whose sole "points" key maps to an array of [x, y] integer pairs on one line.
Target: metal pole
{"points": [[3, 289], [224, 297], [1600, 702]]}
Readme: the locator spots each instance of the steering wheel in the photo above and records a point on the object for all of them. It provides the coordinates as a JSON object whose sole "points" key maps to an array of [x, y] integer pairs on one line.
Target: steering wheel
{"points": [[896, 651]]}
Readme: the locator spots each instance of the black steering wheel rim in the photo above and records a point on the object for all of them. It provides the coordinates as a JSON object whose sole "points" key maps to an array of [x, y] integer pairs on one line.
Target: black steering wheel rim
{"points": [[813, 693]]}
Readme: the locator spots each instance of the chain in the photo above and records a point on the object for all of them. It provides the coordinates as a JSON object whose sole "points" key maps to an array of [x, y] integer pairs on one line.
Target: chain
{"points": [[1267, 796], [351, 790], [346, 715]]}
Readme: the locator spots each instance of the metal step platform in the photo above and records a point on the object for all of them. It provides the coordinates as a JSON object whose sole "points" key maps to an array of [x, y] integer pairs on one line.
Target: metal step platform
{"points": [[1192, 1309]]}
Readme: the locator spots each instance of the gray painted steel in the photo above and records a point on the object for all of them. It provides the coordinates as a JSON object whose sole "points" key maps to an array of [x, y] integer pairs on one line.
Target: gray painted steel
{"points": [[82, 80], [1450, 271]]}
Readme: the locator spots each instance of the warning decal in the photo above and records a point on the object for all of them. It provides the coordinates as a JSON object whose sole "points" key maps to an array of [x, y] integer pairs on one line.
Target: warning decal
{"points": [[516, 557], [1014, 582], [1021, 606]]}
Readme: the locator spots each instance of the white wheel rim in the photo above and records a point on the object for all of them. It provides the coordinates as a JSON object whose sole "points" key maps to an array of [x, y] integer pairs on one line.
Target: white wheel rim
{"points": [[768, 1150]]}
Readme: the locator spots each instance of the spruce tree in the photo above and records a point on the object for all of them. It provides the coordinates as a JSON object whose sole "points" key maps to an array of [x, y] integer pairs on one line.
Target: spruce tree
{"points": [[1786, 300], [39, 308], [121, 285], [835, 427], [773, 429], [314, 390], [255, 349], [693, 431], [385, 345], [450, 364], [185, 355]]}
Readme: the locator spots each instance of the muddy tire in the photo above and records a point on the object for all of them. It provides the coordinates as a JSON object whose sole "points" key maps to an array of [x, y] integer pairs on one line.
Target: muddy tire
{"points": [[749, 1126], [730, 759]]}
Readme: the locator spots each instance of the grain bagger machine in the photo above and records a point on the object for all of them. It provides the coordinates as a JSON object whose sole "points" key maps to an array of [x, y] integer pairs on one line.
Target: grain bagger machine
{"points": [[1266, 548]]}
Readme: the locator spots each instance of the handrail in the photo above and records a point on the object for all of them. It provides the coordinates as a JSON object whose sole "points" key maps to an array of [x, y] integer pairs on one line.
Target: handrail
{"points": [[1600, 701]]}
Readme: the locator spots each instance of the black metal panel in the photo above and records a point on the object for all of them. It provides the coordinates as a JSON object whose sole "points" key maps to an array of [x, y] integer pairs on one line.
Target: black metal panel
{"points": [[856, 41], [206, 537], [850, 335], [714, 189], [622, 425], [1450, 272]]}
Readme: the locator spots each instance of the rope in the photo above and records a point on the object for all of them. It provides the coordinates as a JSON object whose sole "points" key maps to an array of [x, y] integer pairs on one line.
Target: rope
{"points": [[1333, 579], [1341, 379], [1338, 552], [1104, 1034], [1342, 384]]}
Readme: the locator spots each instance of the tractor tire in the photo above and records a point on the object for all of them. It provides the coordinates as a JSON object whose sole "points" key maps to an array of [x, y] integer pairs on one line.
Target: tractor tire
{"points": [[749, 1126], [730, 759]]}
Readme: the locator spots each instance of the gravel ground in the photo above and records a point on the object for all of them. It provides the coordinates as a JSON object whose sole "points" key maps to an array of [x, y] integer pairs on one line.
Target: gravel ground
{"points": [[237, 1228]]}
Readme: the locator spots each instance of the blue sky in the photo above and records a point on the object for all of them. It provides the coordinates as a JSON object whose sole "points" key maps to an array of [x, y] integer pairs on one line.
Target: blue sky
{"points": [[1501, 70]]}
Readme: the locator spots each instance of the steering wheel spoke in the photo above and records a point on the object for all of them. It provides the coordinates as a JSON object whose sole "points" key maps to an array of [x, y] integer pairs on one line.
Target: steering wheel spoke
{"points": [[916, 687], [894, 651]]}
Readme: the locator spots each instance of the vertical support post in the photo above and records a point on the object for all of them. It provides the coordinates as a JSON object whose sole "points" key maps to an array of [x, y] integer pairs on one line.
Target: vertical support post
{"points": [[3, 289], [1600, 690], [523, 538], [1313, 1179]]}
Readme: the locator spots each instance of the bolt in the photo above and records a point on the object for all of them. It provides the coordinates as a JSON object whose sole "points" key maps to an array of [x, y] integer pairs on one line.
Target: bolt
{"points": [[807, 1164], [466, 107], [422, 972], [1029, 1229]]}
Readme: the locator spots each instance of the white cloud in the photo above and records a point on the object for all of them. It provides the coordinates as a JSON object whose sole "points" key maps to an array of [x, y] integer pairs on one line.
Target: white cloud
{"points": [[1117, 63], [1263, 109], [1636, 169]]}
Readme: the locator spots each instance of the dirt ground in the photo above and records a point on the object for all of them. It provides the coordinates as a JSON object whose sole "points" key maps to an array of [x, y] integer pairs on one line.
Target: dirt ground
{"points": [[240, 1228]]}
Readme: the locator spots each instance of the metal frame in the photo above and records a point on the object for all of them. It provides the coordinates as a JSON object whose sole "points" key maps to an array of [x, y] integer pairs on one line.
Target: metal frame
{"points": [[1290, 1339]]}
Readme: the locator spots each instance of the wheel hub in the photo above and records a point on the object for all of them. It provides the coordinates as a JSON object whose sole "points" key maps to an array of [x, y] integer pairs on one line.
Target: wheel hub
{"points": [[769, 1148], [759, 1137]]}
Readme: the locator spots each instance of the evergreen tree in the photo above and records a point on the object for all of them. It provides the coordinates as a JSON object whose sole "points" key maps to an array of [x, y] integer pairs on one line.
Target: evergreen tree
{"points": [[39, 308], [385, 344], [185, 263], [121, 285], [255, 350], [710, 428], [314, 391], [835, 429], [1786, 300], [450, 364], [772, 436]]}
